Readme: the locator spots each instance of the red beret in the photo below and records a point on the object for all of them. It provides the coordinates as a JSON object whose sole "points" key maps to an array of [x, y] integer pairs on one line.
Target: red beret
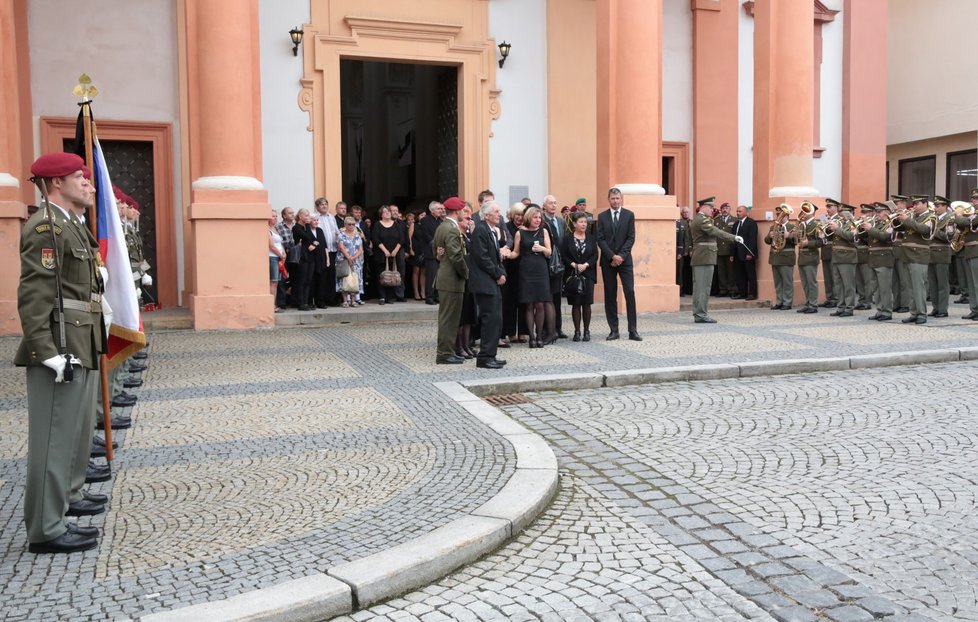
{"points": [[454, 204], [87, 172], [117, 192], [132, 203], [57, 165]]}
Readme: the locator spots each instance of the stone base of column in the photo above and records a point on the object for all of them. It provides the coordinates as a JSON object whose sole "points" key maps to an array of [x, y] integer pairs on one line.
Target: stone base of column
{"points": [[653, 254], [228, 260], [12, 215]]}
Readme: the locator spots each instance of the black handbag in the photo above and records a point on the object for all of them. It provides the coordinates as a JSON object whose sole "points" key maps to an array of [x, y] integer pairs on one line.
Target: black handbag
{"points": [[556, 265], [574, 286]]}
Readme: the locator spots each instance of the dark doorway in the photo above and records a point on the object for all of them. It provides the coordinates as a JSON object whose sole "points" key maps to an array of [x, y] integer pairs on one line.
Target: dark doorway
{"points": [[130, 165], [400, 133]]}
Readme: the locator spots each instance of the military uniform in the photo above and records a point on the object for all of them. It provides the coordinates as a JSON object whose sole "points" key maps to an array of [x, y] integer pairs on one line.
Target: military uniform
{"points": [[901, 274], [704, 259], [938, 271], [453, 272], [915, 248], [60, 414], [808, 260], [844, 260], [829, 274], [865, 277], [783, 267], [969, 257], [880, 237], [727, 285]]}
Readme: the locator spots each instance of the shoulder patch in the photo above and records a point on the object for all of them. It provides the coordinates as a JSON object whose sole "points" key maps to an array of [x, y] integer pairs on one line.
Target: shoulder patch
{"points": [[45, 227]]}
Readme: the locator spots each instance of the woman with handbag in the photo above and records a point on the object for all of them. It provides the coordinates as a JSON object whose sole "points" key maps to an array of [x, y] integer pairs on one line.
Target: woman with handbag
{"points": [[580, 254], [305, 238], [532, 245], [387, 238], [349, 247]]}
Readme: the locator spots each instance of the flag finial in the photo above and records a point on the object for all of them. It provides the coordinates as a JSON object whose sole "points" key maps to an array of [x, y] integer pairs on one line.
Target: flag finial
{"points": [[85, 89]]}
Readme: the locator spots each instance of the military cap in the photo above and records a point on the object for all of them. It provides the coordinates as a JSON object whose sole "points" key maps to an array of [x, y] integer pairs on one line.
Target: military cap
{"points": [[847, 207], [899, 197], [454, 204], [580, 200], [920, 198], [881, 205], [711, 201], [974, 193], [939, 200], [866, 208], [53, 165], [830, 202]]}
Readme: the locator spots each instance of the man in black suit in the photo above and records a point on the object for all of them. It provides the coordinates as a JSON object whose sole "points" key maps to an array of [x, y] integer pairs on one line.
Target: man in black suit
{"points": [[616, 236], [486, 276], [745, 259], [426, 233], [558, 230]]}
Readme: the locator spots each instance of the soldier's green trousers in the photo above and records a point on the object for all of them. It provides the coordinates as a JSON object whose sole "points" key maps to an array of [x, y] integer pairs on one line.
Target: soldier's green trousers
{"points": [[702, 280], [867, 295], [809, 283], [918, 289], [831, 287], [971, 271], [845, 285], [961, 269], [884, 278], [938, 286], [56, 419], [784, 284], [901, 284], [449, 315]]}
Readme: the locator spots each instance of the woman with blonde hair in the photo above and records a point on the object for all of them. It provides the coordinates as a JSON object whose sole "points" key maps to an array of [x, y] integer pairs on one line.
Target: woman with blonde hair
{"points": [[532, 245]]}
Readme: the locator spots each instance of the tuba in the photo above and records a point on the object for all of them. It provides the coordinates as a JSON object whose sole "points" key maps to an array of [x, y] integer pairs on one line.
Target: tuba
{"points": [[957, 241], [779, 230]]}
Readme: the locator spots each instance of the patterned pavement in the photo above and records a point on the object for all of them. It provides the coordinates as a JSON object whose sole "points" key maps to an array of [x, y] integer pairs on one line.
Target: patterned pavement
{"points": [[260, 457]]}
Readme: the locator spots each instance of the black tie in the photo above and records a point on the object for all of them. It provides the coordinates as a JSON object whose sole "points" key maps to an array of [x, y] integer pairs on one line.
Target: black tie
{"points": [[614, 219]]}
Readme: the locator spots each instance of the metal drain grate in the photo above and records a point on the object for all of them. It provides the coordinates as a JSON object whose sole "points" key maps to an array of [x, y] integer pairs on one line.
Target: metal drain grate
{"points": [[507, 400]]}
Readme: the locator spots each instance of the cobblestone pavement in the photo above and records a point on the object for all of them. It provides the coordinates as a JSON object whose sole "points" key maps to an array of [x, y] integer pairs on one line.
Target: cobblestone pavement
{"points": [[834, 496], [263, 456]]}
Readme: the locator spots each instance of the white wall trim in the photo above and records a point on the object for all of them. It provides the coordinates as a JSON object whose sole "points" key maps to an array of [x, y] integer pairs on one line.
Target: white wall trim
{"points": [[227, 182], [640, 189], [793, 191], [9, 181]]}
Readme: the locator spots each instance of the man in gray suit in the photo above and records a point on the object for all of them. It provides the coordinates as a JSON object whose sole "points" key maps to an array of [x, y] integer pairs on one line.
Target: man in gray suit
{"points": [[486, 276]]}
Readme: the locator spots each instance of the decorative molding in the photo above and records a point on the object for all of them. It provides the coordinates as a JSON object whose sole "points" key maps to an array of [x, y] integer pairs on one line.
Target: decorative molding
{"points": [[227, 182], [400, 28], [8, 181], [793, 191], [306, 101], [636, 189], [823, 14], [705, 5]]}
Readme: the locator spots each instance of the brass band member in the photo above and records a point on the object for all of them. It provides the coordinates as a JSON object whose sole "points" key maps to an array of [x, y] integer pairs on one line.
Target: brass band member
{"points": [[844, 258], [938, 272], [705, 235], [964, 220], [782, 257], [901, 275], [919, 224], [880, 238], [809, 237], [829, 274], [865, 277]]}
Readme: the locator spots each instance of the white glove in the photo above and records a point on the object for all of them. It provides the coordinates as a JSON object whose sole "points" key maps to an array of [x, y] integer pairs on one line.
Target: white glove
{"points": [[147, 280], [56, 363], [738, 239], [106, 313], [139, 293], [105, 274]]}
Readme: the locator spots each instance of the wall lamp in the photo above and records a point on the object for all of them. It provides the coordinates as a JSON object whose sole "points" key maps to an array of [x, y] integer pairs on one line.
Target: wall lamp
{"points": [[504, 49], [296, 34]]}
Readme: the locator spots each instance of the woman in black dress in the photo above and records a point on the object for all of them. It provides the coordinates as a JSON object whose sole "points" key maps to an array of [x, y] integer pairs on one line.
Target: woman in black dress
{"points": [[305, 237], [387, 239], [514, 318], [532, 246], [580, 255]]}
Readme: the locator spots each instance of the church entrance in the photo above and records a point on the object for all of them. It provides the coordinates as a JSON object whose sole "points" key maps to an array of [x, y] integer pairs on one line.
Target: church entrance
{"points": [[399, 133]]}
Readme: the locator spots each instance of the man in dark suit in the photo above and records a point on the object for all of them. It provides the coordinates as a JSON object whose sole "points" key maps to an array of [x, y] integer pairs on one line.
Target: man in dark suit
{"points": [[486, 276], [616, 236], [426, 233], [557, 227], [745, 259]]}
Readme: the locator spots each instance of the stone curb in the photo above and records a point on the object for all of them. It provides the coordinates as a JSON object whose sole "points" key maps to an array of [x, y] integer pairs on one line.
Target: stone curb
{"points": [[562, 382], [418, 562]]}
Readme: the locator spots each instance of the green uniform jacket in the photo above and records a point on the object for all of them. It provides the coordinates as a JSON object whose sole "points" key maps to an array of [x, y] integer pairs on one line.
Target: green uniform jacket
{"points": [[726, 224], [37, 292], [970, 249], [844, 247], [880, 249], [916, 246], [705, 236], [862, 247], [809, 256], [940, 246], [786, 256], [453, 270], [135, 247]]}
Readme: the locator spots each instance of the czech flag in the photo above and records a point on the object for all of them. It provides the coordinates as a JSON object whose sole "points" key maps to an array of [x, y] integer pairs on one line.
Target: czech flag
{"points": [[126, 335]]}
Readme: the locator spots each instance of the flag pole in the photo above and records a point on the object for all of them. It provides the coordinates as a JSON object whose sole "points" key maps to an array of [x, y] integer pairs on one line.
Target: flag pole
{"points": [[103, 361]]}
